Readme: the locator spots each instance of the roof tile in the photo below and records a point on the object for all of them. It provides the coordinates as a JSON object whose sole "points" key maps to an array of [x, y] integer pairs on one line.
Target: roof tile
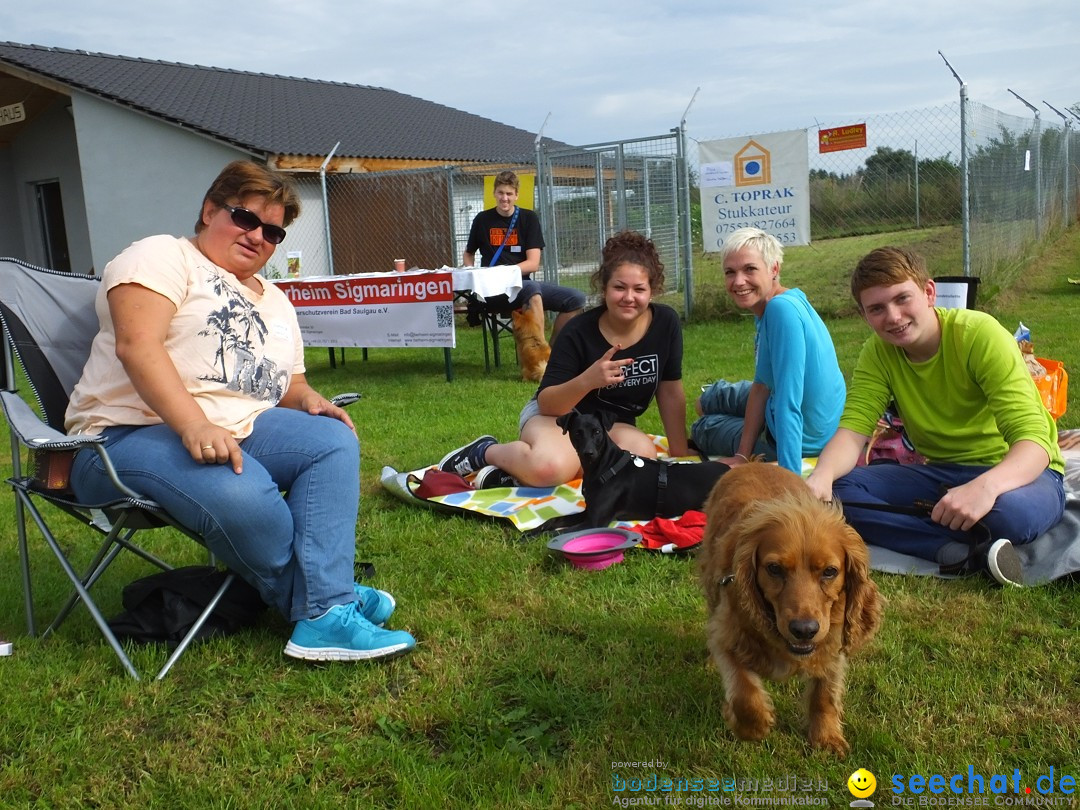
{"points": [[280, 114]]}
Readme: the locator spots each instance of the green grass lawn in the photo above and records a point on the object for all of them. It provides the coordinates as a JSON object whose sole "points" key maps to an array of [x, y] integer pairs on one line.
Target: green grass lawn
{"points": [[534, 683]]}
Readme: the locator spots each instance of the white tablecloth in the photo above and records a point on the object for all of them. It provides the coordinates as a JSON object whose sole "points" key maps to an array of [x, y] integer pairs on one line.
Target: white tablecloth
{"points": [[486, 281], [483, 281]]}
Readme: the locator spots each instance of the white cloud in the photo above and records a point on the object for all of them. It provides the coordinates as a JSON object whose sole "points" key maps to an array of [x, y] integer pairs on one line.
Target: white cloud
{"points": [[610, 69]]}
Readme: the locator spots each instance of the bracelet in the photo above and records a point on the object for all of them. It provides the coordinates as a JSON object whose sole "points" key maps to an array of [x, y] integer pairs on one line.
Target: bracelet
{"points": [[744, 458]]}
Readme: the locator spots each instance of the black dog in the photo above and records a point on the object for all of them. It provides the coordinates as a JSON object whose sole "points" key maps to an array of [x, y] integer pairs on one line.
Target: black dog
{"points": [[617, 485]]}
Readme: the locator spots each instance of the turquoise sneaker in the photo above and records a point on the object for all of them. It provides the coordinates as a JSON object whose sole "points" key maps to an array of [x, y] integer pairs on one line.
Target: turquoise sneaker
{"points": [[343, 633], [374, 604]]}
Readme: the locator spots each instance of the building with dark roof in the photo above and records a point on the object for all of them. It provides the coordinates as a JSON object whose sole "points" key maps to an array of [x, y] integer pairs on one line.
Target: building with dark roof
{"points": [[98, 150]]}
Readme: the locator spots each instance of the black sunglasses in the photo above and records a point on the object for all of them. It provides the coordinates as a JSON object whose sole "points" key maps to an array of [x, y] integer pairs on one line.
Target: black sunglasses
{"points": [[242, 218]]}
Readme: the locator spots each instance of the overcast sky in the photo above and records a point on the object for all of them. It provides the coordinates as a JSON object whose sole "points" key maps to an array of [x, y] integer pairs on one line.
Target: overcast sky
{"points": [[611, 69]]}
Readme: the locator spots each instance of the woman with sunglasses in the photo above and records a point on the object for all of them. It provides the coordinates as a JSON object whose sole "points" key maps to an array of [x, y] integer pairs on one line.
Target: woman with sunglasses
{"points": [[196, 381]]}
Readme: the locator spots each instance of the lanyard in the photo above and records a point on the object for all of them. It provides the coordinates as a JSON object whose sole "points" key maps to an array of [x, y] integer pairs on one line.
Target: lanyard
{"points": [[498, 253]]}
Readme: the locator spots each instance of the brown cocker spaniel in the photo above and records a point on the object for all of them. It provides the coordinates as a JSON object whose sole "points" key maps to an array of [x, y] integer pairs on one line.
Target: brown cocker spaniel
{"points": [[788, 591]]}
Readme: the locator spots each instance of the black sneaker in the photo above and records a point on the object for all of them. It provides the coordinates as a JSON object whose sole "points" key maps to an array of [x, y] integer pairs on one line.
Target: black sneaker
{"points": [[491, 477], [460, 461], [1004, 565]]}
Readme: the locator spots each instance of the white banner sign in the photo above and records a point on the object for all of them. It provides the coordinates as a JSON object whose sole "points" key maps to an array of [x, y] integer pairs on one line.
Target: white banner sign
{"points": [[375, 309], [761, 182]]}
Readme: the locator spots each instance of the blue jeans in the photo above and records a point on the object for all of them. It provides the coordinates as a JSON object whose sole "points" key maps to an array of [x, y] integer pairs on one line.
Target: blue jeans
{"points": [[555, 297], [1019, 515], [297, 549], [719, 431]]}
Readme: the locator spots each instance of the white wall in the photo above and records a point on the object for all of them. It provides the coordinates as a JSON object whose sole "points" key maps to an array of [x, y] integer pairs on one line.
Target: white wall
{"points": [[124, 176], [141, 176]]}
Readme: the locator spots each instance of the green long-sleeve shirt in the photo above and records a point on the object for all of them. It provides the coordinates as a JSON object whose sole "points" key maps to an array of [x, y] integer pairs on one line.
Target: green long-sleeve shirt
{"points": [[968, 404]]}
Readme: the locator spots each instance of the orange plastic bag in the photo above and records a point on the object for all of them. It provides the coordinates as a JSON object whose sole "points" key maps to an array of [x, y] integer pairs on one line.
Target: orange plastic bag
{"points": [[1054, 387]]}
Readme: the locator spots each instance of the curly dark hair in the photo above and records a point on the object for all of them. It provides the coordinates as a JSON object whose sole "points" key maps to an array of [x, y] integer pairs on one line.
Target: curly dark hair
{"points": [[629, 247]]}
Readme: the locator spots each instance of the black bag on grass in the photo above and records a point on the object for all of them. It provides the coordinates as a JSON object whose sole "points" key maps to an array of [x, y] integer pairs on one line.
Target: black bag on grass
{"points": [[164, 606]]}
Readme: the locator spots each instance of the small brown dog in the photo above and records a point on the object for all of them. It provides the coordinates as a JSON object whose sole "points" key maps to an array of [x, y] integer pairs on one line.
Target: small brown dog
{"points": [[788, 590], [533, 350]]}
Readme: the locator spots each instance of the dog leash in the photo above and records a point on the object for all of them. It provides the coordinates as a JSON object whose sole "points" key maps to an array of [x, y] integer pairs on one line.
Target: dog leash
{"points": [[919, 508], [923, 508]]}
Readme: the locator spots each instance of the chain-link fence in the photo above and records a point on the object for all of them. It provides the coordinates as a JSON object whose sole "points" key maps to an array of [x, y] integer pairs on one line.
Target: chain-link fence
{"points": [[582, 195], [1023, 187], [907, 175], [1022, 184], [590, 193], [361, 223]]}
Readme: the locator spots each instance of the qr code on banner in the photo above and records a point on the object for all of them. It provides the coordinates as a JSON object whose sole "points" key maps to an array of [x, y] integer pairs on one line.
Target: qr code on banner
{"points": [[444, 316]]}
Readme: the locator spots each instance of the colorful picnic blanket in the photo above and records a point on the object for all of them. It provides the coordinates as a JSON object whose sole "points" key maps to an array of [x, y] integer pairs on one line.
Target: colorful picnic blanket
{"points": [[526, 508], [1052, 555]]}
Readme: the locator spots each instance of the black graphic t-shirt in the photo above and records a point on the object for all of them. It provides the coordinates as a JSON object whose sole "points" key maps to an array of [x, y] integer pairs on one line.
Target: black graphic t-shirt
{"points": [[488, 229], [657, 357]]}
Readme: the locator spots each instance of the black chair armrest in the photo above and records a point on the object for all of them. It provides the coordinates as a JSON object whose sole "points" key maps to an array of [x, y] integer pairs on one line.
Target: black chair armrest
{"points": [[32, 432], [346, 398], [38, 436]]}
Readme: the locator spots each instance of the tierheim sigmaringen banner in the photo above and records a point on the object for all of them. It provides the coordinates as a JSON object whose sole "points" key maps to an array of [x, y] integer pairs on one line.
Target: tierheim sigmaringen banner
{"points": [[374, 309], [761, 181]]}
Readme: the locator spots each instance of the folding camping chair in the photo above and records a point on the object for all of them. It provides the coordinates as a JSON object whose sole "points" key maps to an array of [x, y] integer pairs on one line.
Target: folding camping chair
{"points": [[49, 322]]}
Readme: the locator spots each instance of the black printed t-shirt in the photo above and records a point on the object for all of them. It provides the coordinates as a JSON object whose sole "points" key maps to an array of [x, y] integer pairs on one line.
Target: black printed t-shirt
{"points": [[657, 357], [488, 229]]}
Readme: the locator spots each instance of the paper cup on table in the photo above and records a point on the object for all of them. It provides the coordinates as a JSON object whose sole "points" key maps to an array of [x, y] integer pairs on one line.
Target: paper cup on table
{"points": [[399, 265]]}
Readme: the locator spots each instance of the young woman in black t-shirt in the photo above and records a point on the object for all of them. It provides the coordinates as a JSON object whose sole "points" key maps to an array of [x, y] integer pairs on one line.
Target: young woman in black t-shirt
{"points": [[616, 357]]}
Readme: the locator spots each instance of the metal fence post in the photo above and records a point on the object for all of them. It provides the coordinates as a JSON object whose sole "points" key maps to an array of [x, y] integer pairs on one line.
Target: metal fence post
{"points": [[326, 209], [601, 202], [620, 189], [549, 259], [1065, 189], [683, 170], [965, 180], [455, 247]]}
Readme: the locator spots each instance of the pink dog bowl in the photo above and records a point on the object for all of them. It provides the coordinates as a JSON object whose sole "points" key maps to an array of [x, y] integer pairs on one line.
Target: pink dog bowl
{"points": [[594, 548]]}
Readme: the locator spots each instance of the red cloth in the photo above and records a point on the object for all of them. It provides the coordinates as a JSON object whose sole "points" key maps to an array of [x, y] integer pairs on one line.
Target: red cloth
{"points": [[437, 482], [677, 534]]}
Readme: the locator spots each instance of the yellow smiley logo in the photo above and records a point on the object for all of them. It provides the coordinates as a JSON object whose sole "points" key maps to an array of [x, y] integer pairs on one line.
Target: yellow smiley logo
{"points": [[861, 783]]}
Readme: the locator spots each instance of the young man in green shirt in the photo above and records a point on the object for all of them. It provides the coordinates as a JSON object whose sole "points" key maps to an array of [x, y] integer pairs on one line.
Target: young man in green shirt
{"points": [[969, 405]]}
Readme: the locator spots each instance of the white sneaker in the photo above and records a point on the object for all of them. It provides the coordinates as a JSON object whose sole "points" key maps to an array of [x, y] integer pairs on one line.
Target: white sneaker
{"points": [[1004, 563]]}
